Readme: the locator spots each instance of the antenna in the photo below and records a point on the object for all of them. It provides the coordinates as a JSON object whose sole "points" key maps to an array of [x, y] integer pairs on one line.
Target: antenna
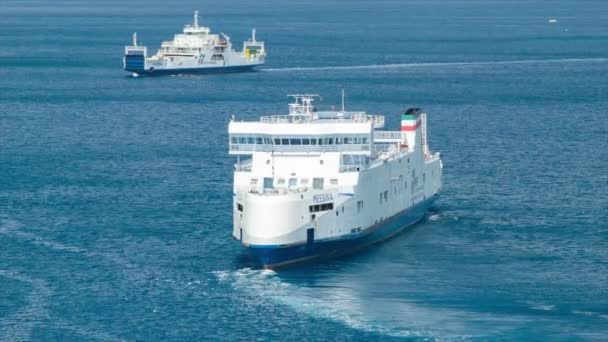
{"points": [[134, 38], [302, 104], [253, 35], [195, 18], [342, 100]]}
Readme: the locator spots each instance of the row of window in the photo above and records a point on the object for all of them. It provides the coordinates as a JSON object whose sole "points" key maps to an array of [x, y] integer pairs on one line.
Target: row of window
{"points": [[320, 207], [317, 183], [300, 141]]}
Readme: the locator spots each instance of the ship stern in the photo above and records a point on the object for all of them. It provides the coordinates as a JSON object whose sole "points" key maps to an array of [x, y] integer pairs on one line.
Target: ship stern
{"points": [[134, 59]]}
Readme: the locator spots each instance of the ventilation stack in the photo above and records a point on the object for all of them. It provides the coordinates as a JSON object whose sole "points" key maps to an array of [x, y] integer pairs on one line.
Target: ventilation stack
{"points": [[410, 129]]}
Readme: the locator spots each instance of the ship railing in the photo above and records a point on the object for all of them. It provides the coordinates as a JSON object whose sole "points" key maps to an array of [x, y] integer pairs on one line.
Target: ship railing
{"points": [[377, 120], [243, 166], [384, 152], [285, 118], [278, 191], [136, 50], [387, 136], [351, 168], [353, 148]]}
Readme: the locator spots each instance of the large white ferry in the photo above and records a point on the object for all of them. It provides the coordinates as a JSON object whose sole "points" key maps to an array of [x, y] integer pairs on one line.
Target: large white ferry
{"points": [[315, 183], [195, 50]]}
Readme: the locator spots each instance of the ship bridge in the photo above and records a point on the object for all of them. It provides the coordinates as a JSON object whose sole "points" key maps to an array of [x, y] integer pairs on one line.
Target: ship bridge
{"points": [[305, 130]]}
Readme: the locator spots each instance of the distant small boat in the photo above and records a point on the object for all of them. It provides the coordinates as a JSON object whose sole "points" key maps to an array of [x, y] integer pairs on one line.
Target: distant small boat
{"points": [[552, 20]]}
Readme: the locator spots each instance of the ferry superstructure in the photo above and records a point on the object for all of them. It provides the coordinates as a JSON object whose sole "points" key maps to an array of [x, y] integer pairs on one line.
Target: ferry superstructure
{"points": [[196, 50], [316, 183]]}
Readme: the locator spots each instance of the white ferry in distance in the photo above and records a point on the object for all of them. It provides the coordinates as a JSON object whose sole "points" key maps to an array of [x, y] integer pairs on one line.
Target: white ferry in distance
{"points": [[321, 183], [195, 50]]}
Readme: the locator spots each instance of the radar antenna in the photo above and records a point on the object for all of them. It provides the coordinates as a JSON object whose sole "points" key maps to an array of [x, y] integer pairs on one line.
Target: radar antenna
{"points": [[302, 104]]}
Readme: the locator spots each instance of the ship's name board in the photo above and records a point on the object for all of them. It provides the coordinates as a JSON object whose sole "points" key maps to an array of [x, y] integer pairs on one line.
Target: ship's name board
{"points": [[323, 198]]}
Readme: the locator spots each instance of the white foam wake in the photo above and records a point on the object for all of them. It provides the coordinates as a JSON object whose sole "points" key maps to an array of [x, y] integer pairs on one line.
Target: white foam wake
{"points": [[266, 285], [343, 304], [437, 64]]}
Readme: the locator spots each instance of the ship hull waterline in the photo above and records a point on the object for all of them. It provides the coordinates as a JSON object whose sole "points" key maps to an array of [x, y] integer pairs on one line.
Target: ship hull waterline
{"points": [[195, 71], [272, 257]]}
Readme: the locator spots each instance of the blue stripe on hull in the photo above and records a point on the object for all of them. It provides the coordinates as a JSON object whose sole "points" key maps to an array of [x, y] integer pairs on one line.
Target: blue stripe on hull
{"points": [[134, 62], [274, 256], [190, 71]]}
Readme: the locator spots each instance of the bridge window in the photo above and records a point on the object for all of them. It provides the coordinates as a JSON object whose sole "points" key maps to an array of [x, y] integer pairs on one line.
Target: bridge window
{"points": [[326, 141], [317, 183], [296, 141]]}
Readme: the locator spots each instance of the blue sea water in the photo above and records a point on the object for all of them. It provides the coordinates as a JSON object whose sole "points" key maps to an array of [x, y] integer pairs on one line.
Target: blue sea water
{"points": [[115, 192]]}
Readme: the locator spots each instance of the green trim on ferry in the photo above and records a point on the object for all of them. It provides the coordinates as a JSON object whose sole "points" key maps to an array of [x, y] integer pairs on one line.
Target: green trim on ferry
{"points": [[409, 117]]}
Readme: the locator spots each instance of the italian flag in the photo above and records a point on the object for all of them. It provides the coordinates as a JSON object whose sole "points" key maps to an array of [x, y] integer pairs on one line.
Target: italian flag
{"points": [[409, 123]]}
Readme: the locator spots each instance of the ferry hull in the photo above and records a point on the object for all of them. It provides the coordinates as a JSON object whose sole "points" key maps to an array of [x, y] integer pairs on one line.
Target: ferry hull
{"points": [[194, 71], [277, 256]]}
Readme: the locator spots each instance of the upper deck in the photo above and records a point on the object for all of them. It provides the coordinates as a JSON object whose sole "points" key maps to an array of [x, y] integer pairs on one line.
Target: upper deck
{"points": [[323, 117], [198, 41], [305, 130]]}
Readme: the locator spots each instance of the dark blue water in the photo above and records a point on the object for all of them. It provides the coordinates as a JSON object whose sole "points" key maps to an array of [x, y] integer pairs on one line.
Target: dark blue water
{"points": [[115, 193]]}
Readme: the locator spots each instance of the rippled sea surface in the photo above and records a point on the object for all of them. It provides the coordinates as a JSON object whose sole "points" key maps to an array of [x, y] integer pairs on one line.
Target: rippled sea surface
{"points": [[115, 192]]}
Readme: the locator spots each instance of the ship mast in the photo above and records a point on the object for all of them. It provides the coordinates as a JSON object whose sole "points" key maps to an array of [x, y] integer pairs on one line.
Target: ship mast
{"points": [[302, 104], [195, 22], [134, 38]]}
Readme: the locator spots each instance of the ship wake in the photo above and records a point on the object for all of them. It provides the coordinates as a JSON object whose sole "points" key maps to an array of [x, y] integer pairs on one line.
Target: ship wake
{"points": [[389, 317], [438, 64]]}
